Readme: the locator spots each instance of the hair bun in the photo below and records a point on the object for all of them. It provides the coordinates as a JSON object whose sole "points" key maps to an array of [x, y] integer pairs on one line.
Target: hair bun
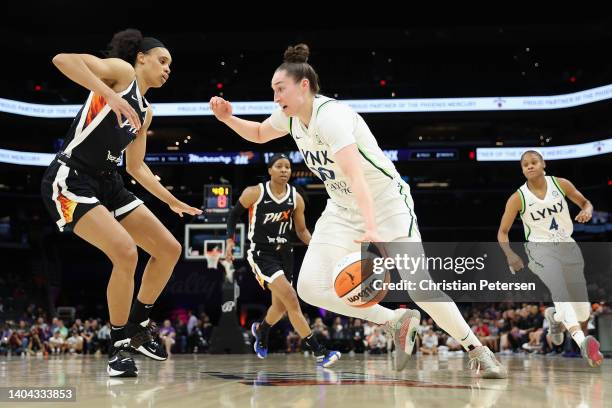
{"points": [[297, 53]]}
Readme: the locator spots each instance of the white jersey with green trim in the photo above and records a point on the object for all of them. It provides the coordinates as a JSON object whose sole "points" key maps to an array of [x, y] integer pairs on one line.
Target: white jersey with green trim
{"points": [[334, 125], [546, 220]]}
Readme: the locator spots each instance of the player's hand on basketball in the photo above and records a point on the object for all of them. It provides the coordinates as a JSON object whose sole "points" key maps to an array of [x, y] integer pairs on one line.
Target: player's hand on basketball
{"points": [[181, 208], [229, 250], [369, 236], [221, 108], [123, 109], [584, 216], [515, 263]]}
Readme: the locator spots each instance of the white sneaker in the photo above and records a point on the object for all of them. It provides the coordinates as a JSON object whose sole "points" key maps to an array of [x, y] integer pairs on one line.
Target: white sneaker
{"points": [[403, 329], [555, 328], [483, 358]]}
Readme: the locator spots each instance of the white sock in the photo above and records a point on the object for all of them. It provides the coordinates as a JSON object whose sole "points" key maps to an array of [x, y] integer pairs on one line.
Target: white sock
{"points": [[470, 340], [578, 336], [447, 316]]}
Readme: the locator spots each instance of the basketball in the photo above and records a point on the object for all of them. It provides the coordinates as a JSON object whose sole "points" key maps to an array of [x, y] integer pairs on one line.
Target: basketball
{"points": [[356, 283]]}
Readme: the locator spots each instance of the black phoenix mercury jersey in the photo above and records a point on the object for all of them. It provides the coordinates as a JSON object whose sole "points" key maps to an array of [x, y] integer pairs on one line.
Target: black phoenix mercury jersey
{"points": [[270, 218], [95, 140]]}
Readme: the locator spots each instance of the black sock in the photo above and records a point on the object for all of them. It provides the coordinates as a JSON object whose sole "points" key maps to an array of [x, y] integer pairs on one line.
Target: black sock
{"points": [[140, 312], [264, 330], [117, 333], [314, 345]]}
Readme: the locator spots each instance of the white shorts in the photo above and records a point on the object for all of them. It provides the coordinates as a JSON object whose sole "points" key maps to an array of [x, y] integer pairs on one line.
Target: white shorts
{"points": [[395, 218]]}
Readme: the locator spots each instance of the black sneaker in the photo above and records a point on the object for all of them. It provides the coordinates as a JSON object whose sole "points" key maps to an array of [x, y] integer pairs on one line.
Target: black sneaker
{"points": [[141, 340], [121, 363]]}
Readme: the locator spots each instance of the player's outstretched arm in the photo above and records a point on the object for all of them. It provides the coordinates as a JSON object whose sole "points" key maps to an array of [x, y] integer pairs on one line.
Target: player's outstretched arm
{"points": [[255, 132], [137, 168]]}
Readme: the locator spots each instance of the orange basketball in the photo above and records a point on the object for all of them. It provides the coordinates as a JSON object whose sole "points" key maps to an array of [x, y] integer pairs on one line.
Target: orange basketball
{"points": [[356, 283]]}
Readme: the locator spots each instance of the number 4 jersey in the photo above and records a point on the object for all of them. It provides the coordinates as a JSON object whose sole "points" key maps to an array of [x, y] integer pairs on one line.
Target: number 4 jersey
{"points": [[271, 218], [546, 220]]}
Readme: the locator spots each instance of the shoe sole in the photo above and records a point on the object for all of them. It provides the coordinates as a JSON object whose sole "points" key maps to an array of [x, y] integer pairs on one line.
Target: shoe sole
{"points": [[593, 355], [495, 376], [402, 356], [555, 338], [115, 373], [254, 333]]}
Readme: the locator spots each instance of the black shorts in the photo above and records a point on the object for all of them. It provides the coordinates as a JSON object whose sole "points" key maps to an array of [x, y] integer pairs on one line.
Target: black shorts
{"points": [[268, 262], [68, 193]]}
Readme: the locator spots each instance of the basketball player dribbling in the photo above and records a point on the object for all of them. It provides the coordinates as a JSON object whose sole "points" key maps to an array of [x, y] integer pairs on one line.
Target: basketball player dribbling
{"points": [[274, 207], [369, 202], [84, 193], [553, 253]]}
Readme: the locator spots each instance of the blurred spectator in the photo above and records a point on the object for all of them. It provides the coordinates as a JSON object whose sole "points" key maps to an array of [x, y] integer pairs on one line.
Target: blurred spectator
{"points": [[338, 335], [294, 341], [36, 345], [198, 340], [5, 334], [377, 342], [18, 340], [89, 336], [192, 321], [74, 343], [104, 338], [320, 331], [368, 329], [78, 326], [535, 337], [63, 330], [357, 337], [167, 335], [430, 343], [181, 336], [207, 327], [57, 343], [481, 330]]}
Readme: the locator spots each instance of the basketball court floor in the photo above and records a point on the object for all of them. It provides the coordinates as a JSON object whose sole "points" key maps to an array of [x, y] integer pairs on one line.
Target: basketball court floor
{"points": [[293, 381]]}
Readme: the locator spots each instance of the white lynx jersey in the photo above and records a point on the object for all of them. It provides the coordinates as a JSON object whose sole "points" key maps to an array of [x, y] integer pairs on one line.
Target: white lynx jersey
{"points": [[546, 220], [334, 125]]}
